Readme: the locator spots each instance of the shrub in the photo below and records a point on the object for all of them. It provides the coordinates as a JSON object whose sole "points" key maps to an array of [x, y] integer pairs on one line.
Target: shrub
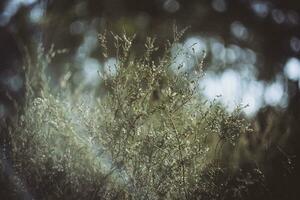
{"points": [[151, 135]]}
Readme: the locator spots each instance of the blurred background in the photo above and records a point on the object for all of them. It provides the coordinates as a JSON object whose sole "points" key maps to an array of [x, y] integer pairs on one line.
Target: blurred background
{"points": [[252, 48]]}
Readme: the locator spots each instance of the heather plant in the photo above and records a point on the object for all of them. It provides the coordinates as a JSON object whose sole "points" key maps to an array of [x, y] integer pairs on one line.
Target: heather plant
{"points": [[150, 135]]}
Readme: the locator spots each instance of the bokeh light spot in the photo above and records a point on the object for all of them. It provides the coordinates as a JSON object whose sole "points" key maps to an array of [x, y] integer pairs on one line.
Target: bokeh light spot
{"points": [[261, 8], [36, 13], [295, 44], [293, 17], [219, 5], [274, 93], [278, 16], [90, 71], [110, 66], [171, 6], [239, 31], [292, 69], [11, 8]]}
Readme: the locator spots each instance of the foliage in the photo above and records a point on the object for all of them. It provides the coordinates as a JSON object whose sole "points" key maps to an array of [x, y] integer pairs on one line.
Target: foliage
{"points": [[151, 135]]}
